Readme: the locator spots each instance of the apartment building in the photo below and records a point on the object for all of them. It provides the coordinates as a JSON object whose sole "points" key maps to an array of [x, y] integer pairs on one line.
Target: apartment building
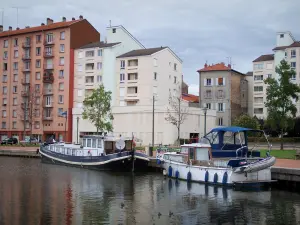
{"points": [[95, 65], [249, 78], [37, 65], [264, 66], [223, 89]]}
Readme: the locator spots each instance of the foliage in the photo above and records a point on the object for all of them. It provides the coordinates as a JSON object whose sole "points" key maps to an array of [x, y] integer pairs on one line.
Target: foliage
{"points": [[247, 121], [97, 109], [281, 109], [295, 130], [276, 139], [176, 113]]}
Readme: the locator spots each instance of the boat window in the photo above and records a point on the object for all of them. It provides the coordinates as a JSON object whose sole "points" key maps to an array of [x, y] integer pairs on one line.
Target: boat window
{"points": [[84, 142], [191, 153], [228, 138], [240, 138], [99, 143], [166, 156], [89, 143], [73, 152], [94, 143], [213, 137], [184, 150]]}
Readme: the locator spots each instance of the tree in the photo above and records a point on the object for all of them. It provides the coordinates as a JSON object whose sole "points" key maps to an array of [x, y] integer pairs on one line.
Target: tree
{"points": [[247, 121], [97, 109], [29, 109], [281, 109], [176, 112]]}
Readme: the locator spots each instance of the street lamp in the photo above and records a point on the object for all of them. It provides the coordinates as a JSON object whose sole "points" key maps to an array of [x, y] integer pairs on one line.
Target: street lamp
{"points": [[205, 112], [77, 127]]}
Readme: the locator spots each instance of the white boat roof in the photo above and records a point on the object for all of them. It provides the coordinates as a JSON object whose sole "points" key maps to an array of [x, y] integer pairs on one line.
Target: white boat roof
{"points": [[196, 145]]}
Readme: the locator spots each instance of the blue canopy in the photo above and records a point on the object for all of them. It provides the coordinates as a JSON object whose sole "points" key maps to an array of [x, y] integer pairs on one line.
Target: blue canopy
{"points": [[233, 129]]}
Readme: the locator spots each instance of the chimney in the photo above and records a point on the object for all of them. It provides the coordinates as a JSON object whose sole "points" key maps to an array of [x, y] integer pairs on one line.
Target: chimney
{"points": [[64, 19], [42, 24], [81, 17], [73, 18], [229, 66], [205, 65], [18, 28], [27, 26], [9, 28], [1, 28], [49, 21], [105, 39]]}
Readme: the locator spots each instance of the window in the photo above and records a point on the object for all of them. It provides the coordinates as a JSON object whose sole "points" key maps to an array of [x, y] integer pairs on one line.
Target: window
{"points": [[132, 90], [99, 79], [38, 63], [37, 125], [15, 101], [175, 66], [37, 75], [79, 93], [38, 38], [89, 79], [5, 43], [89, 53], [258, 110], [14, 113], [99, 65], [61, 74], [61, 61], [79, 68], [3, 113], [293, 65], [221, 81], [122, 91], [37, 87], [122, 64], [208, 105], [269, 75], [60, 99], [37, 100], [155, 62], [49, 38], [285, 54], [4, 90], [62, 48], [16, 53], [16, 42], [14, 124], [221, 107], [61, 86], [15, 89], [4, 66], [293, 77], [48, 51], [122, 77], [62, 35], [220, 94], [207, 94], [38, 50], [89, 66], [4, 78], [80, 54], [281, 35], [99, 52], [258, 88], [4, 101], [220, 121], [133, 62], [259, 77], [15, 77], [27, 65], [5, 55], [15, 65], [60, 111], [258, 99], [258, 66], [175, 79], [27, 125], [155, 76], [293, 53], [114, 30], [132, 76], [3, 125]]}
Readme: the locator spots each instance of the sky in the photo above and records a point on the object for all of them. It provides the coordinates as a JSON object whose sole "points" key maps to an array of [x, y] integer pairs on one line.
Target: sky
{"points": [[197, 31]]}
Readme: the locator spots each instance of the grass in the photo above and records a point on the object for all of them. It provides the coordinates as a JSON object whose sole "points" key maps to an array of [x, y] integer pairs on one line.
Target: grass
{"points": [[280, 154]]}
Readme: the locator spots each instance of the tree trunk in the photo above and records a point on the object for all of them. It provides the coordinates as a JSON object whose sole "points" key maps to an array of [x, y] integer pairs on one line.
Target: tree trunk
{"points": [[281, 140], [178, 135]]}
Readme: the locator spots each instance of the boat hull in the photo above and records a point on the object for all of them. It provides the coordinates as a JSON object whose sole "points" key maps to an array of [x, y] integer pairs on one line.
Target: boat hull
{"points": [[214, 175], [115, 162]]}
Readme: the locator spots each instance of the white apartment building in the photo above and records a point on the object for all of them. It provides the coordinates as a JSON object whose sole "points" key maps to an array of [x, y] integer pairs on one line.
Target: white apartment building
{"points": [[144, 74], [95, 65], [264, 66]]}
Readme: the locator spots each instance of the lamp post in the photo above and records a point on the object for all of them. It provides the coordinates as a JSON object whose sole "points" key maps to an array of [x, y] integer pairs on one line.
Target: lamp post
{"points": [[151, 152], [205, 112], [77, 128]]}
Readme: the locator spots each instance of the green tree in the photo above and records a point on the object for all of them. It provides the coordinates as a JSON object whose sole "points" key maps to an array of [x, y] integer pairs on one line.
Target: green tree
{"points": [[97, 109], [247, 121], [281, 109]]}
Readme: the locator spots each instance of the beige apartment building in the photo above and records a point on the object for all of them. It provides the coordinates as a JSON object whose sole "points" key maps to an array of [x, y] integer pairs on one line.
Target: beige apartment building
{"points": [[37, 65]]}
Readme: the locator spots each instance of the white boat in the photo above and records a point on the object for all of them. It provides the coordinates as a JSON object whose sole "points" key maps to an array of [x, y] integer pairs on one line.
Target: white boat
{"points": [[210, 161]]}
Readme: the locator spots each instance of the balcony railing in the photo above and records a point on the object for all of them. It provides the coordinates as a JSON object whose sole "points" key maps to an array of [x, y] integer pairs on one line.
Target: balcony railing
{"points": [[25, 93], [48, 66], [26, 44], [49, 78], [26, 57], [26, 69], [48, 118], [48, 105], [25, 81], [48, 54], [48, 42], [48, 91]]}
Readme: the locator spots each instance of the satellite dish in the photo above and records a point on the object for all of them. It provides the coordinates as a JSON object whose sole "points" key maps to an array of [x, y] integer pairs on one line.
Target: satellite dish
{"points": [[120, 144]]}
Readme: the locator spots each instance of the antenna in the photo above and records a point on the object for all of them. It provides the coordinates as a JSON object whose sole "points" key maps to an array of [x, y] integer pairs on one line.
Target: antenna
{"points": [[109, 23], [18, 13], [2, 12]]}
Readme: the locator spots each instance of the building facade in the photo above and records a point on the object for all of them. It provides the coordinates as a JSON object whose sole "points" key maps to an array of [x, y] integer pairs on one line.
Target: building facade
{"points": [[38, 77], [249, 78], [95, 64], [225, 90]]}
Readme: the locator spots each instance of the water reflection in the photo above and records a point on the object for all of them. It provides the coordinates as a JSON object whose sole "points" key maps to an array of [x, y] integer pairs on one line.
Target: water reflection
{"points": [[35, 193]]}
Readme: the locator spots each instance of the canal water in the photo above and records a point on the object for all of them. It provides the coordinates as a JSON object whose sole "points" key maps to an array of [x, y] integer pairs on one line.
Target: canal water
{"points": [[35, 193]]}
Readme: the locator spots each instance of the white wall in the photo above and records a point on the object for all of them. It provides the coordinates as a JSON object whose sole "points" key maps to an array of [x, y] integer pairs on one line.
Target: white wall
{"points": [[286, 40]]}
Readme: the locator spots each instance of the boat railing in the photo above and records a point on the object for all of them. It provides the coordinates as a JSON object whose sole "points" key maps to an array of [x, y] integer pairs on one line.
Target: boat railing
{"points": [[239, 150]]}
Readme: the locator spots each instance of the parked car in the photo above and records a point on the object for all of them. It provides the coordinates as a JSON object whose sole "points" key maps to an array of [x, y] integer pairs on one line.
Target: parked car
{"points": [[30, 140], [9, 141]]}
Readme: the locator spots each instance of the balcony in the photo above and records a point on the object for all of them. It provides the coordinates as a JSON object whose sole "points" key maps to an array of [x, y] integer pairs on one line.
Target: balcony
{"points": [[48, 105], [26, 44], [48, 66], [25, 81], [26, 57], [48, 118], [48, 91], [48, 78], [48, 42], [48, 54], [25, 93], [26, 69]]}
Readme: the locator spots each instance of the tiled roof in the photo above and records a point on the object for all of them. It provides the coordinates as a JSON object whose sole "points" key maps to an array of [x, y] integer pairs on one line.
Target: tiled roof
{"points": [[38, 28], [262, 58], [216, 67], [190, 98], [294, 45], [141, 52], [250, 73], [99, 44]]}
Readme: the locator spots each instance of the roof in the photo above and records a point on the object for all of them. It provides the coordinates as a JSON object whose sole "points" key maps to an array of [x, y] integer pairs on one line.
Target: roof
{"points": [[262, 58], [38, 28], [142, 52], [293, 45], [218, 67], [190, 98], [233, 129], [99, 44], [250, 73]]}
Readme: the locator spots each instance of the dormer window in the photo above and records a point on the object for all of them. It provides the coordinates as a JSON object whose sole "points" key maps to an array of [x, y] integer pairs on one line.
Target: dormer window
{"points": [[281, 35], [114, 30]]}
